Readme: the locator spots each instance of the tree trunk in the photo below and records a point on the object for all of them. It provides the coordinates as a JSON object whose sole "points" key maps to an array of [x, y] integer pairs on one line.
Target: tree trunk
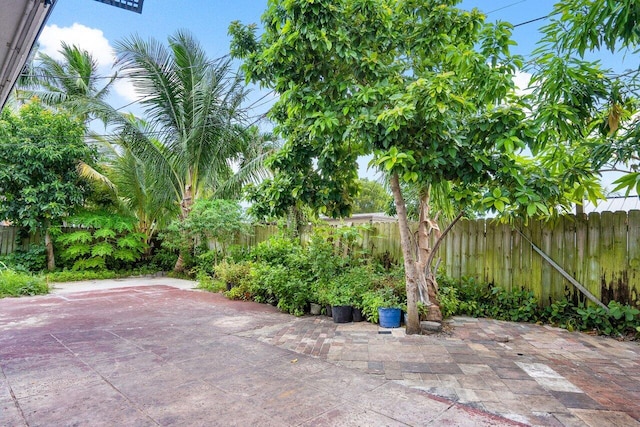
{"points": [[48, 244], [185, 207], [428, 285], [435, 314], [411, 272]]}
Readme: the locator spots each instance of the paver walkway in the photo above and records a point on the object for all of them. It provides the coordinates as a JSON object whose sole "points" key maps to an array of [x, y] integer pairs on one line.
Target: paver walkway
{"points": [[148, 356], [534, 374]]}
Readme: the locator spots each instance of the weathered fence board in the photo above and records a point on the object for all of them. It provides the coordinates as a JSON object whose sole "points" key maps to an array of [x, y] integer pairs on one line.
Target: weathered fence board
{"points": [[9, 241], [633, 255]]}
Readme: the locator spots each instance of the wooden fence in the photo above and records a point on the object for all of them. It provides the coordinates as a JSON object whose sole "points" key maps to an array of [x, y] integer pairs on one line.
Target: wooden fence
{"points": [[10, 241], [601, 251]]}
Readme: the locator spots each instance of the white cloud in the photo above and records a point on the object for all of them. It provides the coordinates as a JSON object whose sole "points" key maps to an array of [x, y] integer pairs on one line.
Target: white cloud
{"points": [[125, 88], [89, 39], [93, 41], [521, 80]]}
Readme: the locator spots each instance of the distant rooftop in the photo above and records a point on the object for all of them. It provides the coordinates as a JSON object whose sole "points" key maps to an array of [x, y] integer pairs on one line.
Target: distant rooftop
{"points": [[363, 218], [613, 204]]}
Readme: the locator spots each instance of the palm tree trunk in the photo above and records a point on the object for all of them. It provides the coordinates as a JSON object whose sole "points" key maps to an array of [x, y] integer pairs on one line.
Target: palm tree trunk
{"points": [[185, 206], [410, 268]]}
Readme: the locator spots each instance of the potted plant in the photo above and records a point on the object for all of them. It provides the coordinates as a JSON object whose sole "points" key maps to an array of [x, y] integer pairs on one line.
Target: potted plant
{"points": [[322, 295], [358, 280], [390, 313], [340, 297], [384, 306], [315, 305]]}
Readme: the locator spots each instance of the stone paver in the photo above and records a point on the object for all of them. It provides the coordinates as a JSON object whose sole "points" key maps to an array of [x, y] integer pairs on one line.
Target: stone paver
{"points": [[533, 374], [157, 355]]}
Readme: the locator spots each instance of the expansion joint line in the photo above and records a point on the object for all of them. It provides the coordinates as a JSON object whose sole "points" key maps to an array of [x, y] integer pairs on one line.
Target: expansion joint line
{"points": [[13, 397]]}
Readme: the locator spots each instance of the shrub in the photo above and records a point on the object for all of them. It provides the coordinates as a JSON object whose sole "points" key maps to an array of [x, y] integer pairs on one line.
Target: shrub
{"points": [[520, 305], [74, 276], [449, 302], [205, 262], [207, 283], [275, 251], [233, 275], [164, 259], [384, 297], [15, 284], [210, 221], [561, 313], [105, 241], [34, 259]]}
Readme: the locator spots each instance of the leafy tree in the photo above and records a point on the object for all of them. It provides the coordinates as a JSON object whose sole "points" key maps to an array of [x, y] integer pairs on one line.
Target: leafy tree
{"points": [[372, 197], [588, 114], [39, 181], [193, 138], [216, 221], [425, 86]]}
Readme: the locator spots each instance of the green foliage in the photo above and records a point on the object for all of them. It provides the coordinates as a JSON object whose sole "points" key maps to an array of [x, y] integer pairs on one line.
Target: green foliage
{"points": [[329, 270], [34, 259], [232, 274], [383, 297], [275, 250], [107, 241], [218, 222], [75, 276], [207, 283], [39, 154], [206, 262], [349, 287], [372, 197], [448, 299], [588, 114], [479, 300], [562, 314], [163, 259], [15, 284]]}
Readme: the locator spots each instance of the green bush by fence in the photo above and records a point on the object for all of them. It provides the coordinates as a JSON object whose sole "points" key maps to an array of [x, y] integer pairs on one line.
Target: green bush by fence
{"points": [[601, 251]]}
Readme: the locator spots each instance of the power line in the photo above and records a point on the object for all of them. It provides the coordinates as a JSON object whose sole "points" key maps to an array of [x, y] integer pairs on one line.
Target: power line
{"points": [[532, 20], [505, 7]]}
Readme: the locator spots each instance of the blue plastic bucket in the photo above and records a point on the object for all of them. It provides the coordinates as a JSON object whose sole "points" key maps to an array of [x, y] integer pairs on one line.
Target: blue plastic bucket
{"points": [[389, 317]]}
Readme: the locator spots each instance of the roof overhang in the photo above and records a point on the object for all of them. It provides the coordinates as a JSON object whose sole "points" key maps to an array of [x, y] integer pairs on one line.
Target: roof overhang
{"points": [[20, 24]]}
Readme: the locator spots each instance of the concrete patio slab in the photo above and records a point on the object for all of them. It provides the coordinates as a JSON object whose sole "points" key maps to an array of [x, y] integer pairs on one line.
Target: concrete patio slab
{"points": [[161, 355]]}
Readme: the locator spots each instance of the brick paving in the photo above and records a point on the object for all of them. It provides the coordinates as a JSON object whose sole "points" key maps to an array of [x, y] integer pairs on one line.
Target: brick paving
{"points": [[537, 375]]}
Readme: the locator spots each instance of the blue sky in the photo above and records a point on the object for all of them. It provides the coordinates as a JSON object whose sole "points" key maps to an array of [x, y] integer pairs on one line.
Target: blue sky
{"points": [[96, 26]]}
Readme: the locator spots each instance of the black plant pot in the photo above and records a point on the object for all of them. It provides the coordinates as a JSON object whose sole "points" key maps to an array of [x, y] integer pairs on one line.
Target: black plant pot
{"points": [[342, 313], [357, 315]]}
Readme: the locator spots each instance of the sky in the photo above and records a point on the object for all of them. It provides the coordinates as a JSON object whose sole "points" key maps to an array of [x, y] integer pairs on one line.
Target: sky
{"points": [[96, 26]]}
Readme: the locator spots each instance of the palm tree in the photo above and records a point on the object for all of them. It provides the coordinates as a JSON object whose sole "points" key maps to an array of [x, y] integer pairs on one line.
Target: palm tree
{"points": [[66, 83], [195, 140], [134, 186]]}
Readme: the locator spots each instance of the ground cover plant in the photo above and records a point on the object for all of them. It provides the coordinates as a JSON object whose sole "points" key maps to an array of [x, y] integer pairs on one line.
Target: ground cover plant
{"points": [[16, 283], [471, 298]]}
